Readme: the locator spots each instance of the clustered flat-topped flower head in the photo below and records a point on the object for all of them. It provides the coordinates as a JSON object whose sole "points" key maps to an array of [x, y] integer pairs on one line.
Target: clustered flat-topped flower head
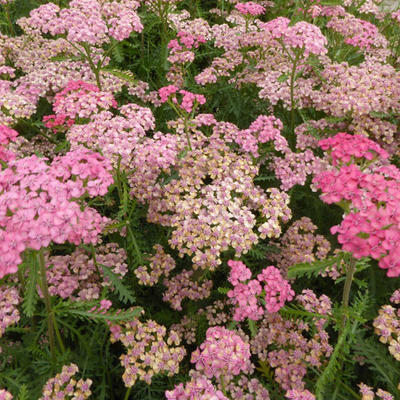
{"points": [[76, 277], [269, 286], [288, 345], [347, 149], [78, 100], [120, 138], [7, 135], [371, 226], [85, 21], [65, 387], [199, 387], [9, 313], [150, 350], [188, 101], [302, 35], [299, 395], [41, 203], [161, 263], [4, 395], [368, 393], [223, 353], [250, 8], [357, 32], [212, 203], [300, 244], [185, 41], [387, 325]]}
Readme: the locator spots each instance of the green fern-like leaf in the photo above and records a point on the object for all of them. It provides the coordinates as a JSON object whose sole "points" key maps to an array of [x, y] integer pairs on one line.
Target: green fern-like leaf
{"points": [[24, 393], [124, 293], [314, 268], [124, 75], [117, 51], [377, 357], [223, 290], [111, 315]]}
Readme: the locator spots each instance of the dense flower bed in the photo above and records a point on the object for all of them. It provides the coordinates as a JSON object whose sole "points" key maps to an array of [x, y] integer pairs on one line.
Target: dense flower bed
{"points": [[199, 199]]}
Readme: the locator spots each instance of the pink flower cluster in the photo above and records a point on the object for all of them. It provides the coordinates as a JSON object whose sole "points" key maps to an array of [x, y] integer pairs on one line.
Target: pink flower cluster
{"points": [[181, 53], [274, 293], [188, 102], [348, 149], [65, 387], [76, 277], [222, 354], [9, 314], [183, 286], [289, 347], [4, 395], [357, 32], [371, 224], [149, 351], [7, 135], [41, 203], [387, 325], [199, 387], [88, 21], [299, 395], [262, 130], [368, 394], [78, 100], [250, 8], [302, 35], [117, 137]]}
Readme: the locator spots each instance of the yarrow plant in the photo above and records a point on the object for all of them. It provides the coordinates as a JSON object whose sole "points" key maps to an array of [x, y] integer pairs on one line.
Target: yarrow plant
{"points": [[179, 183]]}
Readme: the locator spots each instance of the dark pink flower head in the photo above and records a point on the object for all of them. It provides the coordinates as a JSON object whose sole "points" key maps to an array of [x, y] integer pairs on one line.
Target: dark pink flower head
{"points": [[7, 135], [277, 290], [344, 148], [188, 99], [166, 91]]}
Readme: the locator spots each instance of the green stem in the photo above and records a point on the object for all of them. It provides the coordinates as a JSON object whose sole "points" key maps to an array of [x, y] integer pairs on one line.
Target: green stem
{"points": [[135, 245], [187, 134], [128, 392], [223, 386], [47, 301], [346, 290], [292, 102], [94, 69], [9, 21]]}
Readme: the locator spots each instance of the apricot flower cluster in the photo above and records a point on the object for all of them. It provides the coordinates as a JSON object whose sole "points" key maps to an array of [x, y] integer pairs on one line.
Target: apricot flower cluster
{"points": [[64, 387], [149, 351]]}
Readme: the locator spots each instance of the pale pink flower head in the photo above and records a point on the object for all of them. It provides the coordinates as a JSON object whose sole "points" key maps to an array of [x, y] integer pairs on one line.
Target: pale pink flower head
{"points": [[250, 8], [222, 353]]}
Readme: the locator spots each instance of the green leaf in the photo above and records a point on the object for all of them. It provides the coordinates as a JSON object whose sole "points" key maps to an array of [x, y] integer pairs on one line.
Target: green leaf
{"points": [[111, 315], [223, 290], [124, 293], [65, 57], [283, 78], [314, 268], [30, 296], [23, 393], [124, 75]]}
